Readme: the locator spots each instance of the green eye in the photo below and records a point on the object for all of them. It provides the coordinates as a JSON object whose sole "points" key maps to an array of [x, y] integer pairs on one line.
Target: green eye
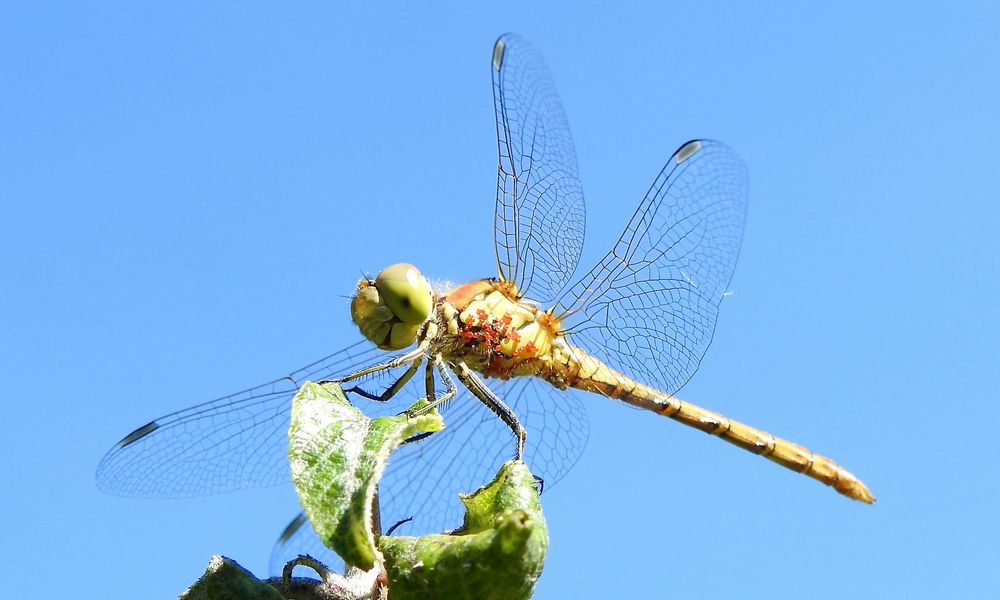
{"points": [[405, 291], [401, 336], [372, 317]]}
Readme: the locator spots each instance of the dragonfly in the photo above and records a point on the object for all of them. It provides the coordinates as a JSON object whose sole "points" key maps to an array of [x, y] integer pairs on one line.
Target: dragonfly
{"points": [[506, 358]]}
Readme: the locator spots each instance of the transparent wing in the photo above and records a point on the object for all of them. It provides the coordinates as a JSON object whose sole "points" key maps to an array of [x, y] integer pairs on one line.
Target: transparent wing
{"points": [[237, 441], [540, 217], [649, 308], [423, 479], [240, 441]]}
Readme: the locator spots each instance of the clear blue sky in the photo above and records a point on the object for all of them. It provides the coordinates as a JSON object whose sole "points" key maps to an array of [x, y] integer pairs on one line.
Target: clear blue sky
{"points": [[189, 189]]}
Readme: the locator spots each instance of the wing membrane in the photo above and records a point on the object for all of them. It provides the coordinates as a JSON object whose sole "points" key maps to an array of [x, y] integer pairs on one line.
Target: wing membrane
{"points": [[434, 470], [649, 308], [540, 217], [237, 441], [240, 441]]}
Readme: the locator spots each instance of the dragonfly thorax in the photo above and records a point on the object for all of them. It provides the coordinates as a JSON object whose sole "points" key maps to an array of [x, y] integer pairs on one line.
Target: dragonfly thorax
{"points": [[390, 309], [495, 334]]}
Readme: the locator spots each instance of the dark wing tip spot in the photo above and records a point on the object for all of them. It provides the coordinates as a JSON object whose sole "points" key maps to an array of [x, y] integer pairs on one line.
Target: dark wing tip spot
{"points": [[294, 526], [687, 151], [139, 433], [498, 50]]}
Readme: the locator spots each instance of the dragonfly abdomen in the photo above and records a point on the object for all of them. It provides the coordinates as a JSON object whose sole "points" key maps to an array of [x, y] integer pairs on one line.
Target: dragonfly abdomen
{"points": [[590, 374]]}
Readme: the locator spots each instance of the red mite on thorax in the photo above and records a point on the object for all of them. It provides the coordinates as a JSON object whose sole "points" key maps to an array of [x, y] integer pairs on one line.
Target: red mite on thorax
{"points": [[506, 335]]}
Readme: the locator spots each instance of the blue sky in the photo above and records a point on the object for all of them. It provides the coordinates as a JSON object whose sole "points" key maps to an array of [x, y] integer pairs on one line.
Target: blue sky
{"points": [[188, 192]]}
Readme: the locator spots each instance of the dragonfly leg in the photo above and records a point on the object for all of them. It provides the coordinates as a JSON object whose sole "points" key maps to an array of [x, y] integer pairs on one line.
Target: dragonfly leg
{"points": [[429, 380], [397, 524], [482, 391], [399, 361], [433, 400], [389, 391]]}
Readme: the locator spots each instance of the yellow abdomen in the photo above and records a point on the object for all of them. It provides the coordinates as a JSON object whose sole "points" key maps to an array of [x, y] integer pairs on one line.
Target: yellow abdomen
{"points": [[587, 373]]}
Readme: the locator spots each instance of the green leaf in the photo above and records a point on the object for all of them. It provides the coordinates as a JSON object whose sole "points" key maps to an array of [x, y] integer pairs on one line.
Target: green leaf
{"points": [[337, 457], [497, 555], [224, 579]]}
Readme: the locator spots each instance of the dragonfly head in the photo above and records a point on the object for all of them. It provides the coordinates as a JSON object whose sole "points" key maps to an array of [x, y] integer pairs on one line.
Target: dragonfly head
{"points": [[390, 309]]}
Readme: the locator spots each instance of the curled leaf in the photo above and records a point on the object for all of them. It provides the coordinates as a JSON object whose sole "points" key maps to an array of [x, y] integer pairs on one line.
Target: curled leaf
{"points": [[337, 456], [497, 554], [224, 579]]}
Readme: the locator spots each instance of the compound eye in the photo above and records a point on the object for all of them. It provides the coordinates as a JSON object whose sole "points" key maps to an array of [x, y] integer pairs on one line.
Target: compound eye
{"points": [[401, 336], [406, 292], [372, 317]]}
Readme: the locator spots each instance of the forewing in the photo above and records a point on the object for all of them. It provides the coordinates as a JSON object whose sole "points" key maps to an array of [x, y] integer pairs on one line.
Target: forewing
{"points": [[649, 308], [240, 441], [237, 441], [540, 217]]}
